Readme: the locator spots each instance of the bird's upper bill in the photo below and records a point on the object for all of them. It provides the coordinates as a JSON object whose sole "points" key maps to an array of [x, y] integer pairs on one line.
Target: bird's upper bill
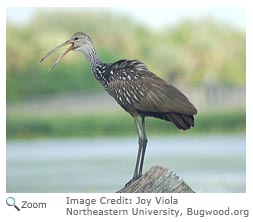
{"points": [[71, 47]]}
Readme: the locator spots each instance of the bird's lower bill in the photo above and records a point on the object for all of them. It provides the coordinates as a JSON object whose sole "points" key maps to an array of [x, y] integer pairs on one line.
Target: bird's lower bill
{"points": [[70, 48]]}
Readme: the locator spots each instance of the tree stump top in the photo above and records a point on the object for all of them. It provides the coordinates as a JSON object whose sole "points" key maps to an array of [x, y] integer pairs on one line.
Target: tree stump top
{"points": [[158, 180]]}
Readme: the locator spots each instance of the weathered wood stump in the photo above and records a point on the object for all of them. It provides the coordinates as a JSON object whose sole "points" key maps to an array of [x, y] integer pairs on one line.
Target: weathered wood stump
{"points": [[158, 180]]}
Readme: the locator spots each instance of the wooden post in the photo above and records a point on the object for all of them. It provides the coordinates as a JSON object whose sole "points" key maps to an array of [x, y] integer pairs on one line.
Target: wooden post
{"points": [[158, 180]]}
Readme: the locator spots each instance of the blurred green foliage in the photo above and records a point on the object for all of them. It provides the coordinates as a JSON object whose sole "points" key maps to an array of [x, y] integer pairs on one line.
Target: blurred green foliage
{"points": [[194, 52], [87, 125]]}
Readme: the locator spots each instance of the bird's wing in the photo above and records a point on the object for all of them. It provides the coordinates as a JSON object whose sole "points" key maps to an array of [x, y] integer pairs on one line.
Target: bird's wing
{"points": [[139, 88], [162, 97]]}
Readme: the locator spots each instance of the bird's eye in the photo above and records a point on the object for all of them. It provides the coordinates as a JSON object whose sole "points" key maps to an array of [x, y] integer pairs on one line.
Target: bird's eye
{"points": [[76, 38]]}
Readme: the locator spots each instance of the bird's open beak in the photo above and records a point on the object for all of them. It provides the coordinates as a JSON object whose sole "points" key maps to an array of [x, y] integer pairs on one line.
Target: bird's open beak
{"points": [[71, 47]]}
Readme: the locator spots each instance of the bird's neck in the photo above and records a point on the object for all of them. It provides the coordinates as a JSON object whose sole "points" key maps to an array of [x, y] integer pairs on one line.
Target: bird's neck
{"points": [[93, 59], [97, 66]]}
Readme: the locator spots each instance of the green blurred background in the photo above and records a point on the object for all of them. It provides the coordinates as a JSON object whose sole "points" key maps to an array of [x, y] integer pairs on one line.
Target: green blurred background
{"points": [[203, 57], [202, 54]]}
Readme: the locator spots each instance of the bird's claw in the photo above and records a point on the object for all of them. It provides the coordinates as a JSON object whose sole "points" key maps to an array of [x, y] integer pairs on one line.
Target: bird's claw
{"points": [[132, 180]]}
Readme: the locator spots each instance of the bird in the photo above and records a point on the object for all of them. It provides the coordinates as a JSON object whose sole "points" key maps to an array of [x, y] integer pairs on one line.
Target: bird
{"points": [[136, 89]]}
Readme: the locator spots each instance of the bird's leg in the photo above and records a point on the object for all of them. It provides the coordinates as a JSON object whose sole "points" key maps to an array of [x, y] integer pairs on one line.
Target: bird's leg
{"points": [[144, 145], [140, 135], [137, 164]]}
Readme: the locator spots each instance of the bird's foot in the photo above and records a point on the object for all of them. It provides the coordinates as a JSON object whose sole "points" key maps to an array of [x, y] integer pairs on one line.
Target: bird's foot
{"points": [[132, 180]]}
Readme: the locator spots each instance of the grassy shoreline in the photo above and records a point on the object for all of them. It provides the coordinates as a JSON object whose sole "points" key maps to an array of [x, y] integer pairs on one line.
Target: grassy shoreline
{"points": [[86, 125]]}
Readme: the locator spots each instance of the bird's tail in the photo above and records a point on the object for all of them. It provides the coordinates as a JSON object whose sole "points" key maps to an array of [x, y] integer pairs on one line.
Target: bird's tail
{"points": [[182, 121]]}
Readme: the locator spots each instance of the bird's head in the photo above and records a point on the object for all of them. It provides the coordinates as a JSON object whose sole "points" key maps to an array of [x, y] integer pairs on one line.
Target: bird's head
{"points": [[78, 42]]}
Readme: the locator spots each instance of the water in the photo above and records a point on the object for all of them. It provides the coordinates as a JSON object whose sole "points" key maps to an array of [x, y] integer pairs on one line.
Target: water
{"points": [[206, 163]]}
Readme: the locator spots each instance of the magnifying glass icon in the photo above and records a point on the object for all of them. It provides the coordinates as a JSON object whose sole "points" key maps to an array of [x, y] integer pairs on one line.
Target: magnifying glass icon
{"points": [[10, 201]]}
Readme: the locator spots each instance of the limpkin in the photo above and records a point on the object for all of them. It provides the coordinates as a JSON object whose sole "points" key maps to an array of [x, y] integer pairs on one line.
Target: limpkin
{"points": [[136, 89]]}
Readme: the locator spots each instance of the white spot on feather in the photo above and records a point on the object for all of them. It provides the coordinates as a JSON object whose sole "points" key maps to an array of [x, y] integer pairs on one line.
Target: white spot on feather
{"points": [[141, 93], [135, 97], [128, 100], [128, 93]]}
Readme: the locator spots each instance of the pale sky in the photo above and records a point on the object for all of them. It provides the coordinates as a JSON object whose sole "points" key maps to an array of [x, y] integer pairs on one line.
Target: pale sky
{"points": [[154, 17]]}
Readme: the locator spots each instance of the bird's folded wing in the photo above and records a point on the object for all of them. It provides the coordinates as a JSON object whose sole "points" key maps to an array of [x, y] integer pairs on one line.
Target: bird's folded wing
{"points": [[144, 91], [165, 98]]}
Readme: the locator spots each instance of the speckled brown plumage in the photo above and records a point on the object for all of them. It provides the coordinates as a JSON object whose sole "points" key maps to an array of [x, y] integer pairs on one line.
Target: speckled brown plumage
{"points": [[140, 92], [135, 88]]}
